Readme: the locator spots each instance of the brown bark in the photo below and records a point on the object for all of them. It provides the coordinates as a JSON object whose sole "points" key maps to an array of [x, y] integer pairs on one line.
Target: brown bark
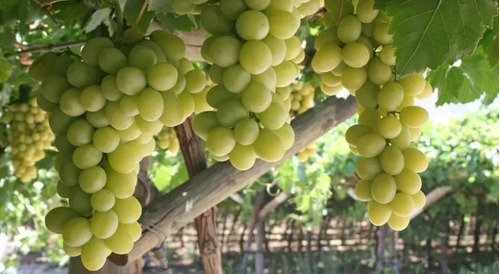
{"points": [[253, 222]]}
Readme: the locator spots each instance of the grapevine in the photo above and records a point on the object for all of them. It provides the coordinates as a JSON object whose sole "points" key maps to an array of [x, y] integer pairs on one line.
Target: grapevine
{"points": [[355, 52]]}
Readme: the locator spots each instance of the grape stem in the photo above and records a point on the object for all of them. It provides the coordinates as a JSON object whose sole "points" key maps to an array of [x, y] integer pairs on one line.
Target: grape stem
{"points": [[119, 17], [141, 13], [49, 47]]}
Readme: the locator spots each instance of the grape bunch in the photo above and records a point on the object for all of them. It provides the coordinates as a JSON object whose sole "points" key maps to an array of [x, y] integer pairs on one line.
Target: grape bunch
{"points": [[29, 135], [105, 107], [167, 139], [357, 54], [253, 50]]}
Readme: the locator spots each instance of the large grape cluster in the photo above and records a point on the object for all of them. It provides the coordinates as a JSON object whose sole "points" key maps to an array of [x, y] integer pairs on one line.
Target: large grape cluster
{"points": [[105, 107], [253, 50], [355, 53], [29, 136]]}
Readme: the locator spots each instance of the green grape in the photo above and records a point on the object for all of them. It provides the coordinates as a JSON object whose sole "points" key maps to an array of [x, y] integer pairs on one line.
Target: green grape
{"points": [[220, 141], [327, 36], [403, 139], [268, 146], [282, 24], [355, 132], [278, 49], [286, 134], [389, 127], [246, 131], [355, 54], [408, 181], [378, 213], [366, 95], [235, 78], [339, 70], [387, 55], [268, 78], [162, 76], [353, 78], [92, 99], [146, 127], [53, 87], [102, 200], [150, 104], [94, 254], [142, 57], [415, 159], [349, 29], [133, 35], [378, 72], [122, 185], [328, 90], [415, 133], [426, 92], [109, 89], [72, 251], [134, 230], [91, 49], [182, 7], [255, 56], [68, 173], [362, 190], [105, 139], [257, 4], [392, 160], [45, 104], [286, 72], [92, 179], [398, 223], [286, 5], [242, 157], [213, 21], [230, 112], [70, 102], [368, 168], [330, 79], [414, 116], [63, 190], [80, 132], [175, 114], [390, 96], [370, 145], [365, 12], [419, 200], [104, 224], [187, 102], [173, 47], [204, 122], [383, 188], [274, 116], [62, 63], [128, 210], [124, 159], [76, 232], [309, 7], [381, 33], [402, 204], [129, 105], [42, 67], [81, 75], [216, 73], [232, 9], [120, 242], [179, 86], [326, 58], [256, 97], [130, 80], [160, 56], [195, 81], [129, 134], [111, 60], [413, 84], [86, 156], [252, 25], [79, 201], [293, 47], [57, 217], [116, 117], [339, 9], [225, 51]]}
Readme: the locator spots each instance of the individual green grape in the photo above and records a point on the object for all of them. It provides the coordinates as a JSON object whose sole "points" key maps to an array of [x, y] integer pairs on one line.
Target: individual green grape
{"points": [[57, 217], [426, 92], [274, 116], [413, 84], [355, 54], [195, 81], [246, 131], [286, 72], [53, 86], [330, 90], [268, 146], [415, 133], [120, 242], [109, 89], [200, 102], [80, 75], [116, 117], [104, 224], [70, 102], [91, 49], [204, 122], [327, 36], [232, 9], [225, 51], [414, 116], [408, 181], [370, 145], [293, 47], [378, 72], [218, 94], [282, 24], [44, 103], [355, 132], [182, 7], [72, 251], [160, 55], [111, 60], [63, 190], [398, 223], [94, 254], [105, 139], [403, 139], [368, 168], [353, 78], [213, 21], [162, 76], [220, 141], [252, 25], [134, 230], [141, 57], [268, 78], [415, 159], [286, 134], [257, 4], [389, 127], [392, 160], [242, 157], [133, 35], [124, 159], [235, 78], [231, 112], [62, 63], [256, 97], [381, 33], [286, 5], [390, 96], [130, 80], [173, 47], [128, 210], [148, 128], [76, 232], [102, 200], [330, 79], [92, 99], [278, 49], [402, 204], [349, 29], [43, 66], [326, 58], [419, 200], [309, 7], [365, 12], [68, 173], [378, 213], [150, 104], [175, 114], [387, 55], [86, 156], [80, 132], [362, 190], [79, 201], [92, 179], [255, 56], [383, 188], [366, 95]]}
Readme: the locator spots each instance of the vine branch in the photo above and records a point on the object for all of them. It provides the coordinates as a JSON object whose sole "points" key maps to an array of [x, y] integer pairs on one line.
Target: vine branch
{"points": [[45, 48], [141, 13]]}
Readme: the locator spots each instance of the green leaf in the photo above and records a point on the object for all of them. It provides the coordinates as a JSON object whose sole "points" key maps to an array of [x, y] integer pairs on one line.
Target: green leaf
{"points": [[97, 18], [5, 71], [131, 11], [173, 22], [429, 34], [159, 6]]}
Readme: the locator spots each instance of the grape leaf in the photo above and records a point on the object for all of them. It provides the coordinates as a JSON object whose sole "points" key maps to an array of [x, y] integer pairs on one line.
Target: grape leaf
{"points": [[131, 11], [5, 71], [172, 22], [426, 35], [159, 6], [466, 81], [97, 18]]}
